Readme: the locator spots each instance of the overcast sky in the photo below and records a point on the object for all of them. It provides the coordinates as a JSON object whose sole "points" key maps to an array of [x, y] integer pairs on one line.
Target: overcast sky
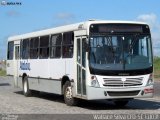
{"points": [[34, 15]]}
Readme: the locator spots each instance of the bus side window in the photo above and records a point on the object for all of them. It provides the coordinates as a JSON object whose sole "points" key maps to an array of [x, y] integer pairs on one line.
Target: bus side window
{"points": [[34, 44], [25, 49], [55, 46], [44, 47], [67, 45], [10, 50]]}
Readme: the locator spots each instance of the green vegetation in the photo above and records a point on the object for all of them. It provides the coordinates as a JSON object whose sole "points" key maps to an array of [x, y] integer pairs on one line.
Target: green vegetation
{"points": [[2, 68], [2, 72], [157, 67]]}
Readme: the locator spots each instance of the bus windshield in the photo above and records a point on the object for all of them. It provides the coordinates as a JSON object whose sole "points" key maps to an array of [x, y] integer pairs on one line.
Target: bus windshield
{"points": [[120, 52]]}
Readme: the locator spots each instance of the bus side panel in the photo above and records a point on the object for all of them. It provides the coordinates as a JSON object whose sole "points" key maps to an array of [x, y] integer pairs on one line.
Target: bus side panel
{"points": [[10, 67], [33, 84], [39, 68], [57, 68], [40, 78], [51, 86], [69, 68]]}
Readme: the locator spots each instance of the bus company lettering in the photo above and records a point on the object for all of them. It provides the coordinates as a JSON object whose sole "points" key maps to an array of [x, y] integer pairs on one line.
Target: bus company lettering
{"points": [[25, 66]]}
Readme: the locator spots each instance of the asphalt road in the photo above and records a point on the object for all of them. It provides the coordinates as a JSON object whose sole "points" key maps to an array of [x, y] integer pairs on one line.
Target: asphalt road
{"points": [[12, 101]]}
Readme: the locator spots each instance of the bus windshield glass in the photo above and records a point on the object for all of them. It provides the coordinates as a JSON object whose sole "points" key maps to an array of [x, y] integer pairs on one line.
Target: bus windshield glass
{"points": [[120, 52]]}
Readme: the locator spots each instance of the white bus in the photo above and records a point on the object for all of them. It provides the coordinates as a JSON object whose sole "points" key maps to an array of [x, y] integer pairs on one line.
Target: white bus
{"points": [[89, 60]]}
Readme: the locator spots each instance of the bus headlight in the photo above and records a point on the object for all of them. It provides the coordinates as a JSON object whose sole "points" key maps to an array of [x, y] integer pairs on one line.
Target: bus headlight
{"points": [[150, 79], [94, 81]]}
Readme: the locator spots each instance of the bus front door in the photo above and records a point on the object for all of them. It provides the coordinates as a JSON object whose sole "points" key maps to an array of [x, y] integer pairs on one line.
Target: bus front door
{"points": [[81, 66]]}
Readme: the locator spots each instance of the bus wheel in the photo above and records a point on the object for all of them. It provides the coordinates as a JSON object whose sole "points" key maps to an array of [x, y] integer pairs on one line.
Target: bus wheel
{"points": [[121, 103], [26, 90], [68, 97]]}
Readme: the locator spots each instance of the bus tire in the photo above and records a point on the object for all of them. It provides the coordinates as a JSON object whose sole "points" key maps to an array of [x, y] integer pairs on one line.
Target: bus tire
{"points": [[121, 103], [68, 97], [26, 90]]}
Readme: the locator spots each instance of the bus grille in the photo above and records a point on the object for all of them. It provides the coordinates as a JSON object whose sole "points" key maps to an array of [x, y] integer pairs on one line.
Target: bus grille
{"points": [[118, 82], [123, 93]]}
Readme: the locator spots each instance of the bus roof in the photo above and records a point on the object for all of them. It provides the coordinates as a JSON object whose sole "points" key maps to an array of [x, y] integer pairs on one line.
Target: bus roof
{"points": [[67, 28]]}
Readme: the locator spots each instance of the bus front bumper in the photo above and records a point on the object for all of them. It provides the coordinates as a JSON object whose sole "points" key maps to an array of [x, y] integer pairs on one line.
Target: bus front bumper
{"points": [[94, 93]]}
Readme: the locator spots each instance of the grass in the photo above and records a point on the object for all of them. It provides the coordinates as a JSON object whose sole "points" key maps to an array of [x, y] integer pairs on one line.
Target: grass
{"points": [[2, 72], [2, 69], [157, 67]]}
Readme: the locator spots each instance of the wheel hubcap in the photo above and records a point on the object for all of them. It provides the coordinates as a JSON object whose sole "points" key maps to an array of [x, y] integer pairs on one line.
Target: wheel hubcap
{"points": [[68, 93], [25, 86]]}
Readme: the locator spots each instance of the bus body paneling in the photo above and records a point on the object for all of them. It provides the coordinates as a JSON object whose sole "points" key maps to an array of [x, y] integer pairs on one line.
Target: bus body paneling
{"points": [[97, 66]]}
